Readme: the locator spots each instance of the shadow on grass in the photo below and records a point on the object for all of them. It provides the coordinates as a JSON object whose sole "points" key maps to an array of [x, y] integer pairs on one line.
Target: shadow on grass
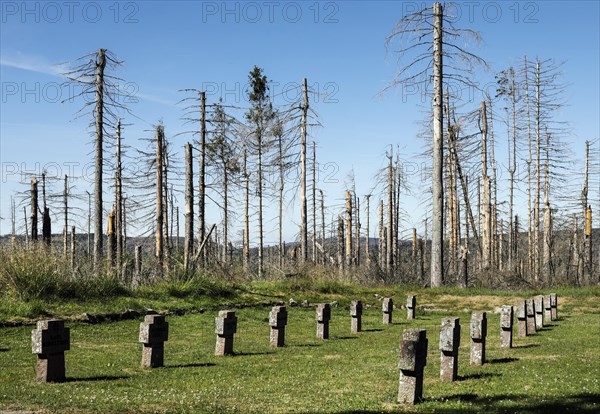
{"points": [[303, 345], [192, 365], [502, 360], [97, 378], [4, 349], [253, 353], [477, 376], [578, 403], [526, 346], [345, 337], [372, 330]]}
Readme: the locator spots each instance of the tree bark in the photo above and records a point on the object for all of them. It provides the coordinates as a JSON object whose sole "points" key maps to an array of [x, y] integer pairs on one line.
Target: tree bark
{"points": [[99, 124], [202, 172], [437, 248], [159, 249], [34, 209], [303, 207], [188, 248]]}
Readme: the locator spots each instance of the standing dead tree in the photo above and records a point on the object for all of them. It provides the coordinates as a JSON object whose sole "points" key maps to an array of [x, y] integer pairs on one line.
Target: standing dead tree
{"points": [[447, 61], [93, 75]]}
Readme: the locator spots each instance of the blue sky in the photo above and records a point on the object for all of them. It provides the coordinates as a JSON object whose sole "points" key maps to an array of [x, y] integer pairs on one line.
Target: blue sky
{"points": [[339, 46]]}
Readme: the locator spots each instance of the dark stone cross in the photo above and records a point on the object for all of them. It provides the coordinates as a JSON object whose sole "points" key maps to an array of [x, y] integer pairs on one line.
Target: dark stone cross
{"points": [[506, 326], [478, 335], [50, 341], [388, 308], [154, 332], [323, 316], [530, 317], [412, 361], [356, 309], [539, 311], [278, 318], [411, 305], [449, 344], [225, 328], [522, 319]]}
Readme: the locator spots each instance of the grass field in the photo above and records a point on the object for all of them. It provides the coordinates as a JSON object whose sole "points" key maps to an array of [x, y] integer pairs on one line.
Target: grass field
{"points": [[557, 370]]}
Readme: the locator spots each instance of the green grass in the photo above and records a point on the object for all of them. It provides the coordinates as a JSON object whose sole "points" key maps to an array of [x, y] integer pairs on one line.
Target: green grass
{"points": [[557, 370]]}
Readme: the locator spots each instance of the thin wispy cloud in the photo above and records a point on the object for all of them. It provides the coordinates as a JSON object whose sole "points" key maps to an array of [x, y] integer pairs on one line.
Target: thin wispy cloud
{"points": [[35, 64]]}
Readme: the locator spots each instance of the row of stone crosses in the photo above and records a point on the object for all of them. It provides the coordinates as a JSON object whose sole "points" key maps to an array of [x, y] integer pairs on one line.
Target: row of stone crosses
{"points": [[51, 338]]}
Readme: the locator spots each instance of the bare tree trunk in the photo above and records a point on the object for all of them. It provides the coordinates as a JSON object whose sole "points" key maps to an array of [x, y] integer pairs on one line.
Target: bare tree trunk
{"points": [[138, 260], [202, 173], [124, 223], [348, 229], [548, 238], [281, 188], [340, 245], [159, 249], [389, 261], [26, 226], [72, 248], [367, 232], [303, 208], [486, 213], [357, 231], [188, 248], [415, 254], [530, 245], [34, 209], [538, 178], [89, 221], [176, 228], [576, 260], [46, 222], [584, 201], [246, 214], [323, 259], [437, 246], [588, 246], [225, 214], [259, 192], [119, 198], [66, 217], [111, 238], [314, 201], [46, 227], [512, 161], [99, 124], [381, 245]]}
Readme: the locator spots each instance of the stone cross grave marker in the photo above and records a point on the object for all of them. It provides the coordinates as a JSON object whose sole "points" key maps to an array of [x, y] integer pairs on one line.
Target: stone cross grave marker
{"points": [[50, 341], [411, 305], [277, 321], [412, 361], [225, 328], [356, 309], [539, 311], [506, 326], [323, 316], [530, 317], [388, 308], [154, 332], [547, 308], [478, 335], [522, 318], [449, 344], [554, 306]]}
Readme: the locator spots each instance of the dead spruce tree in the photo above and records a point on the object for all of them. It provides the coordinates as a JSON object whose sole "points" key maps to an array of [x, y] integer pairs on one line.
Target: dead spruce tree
{"points": [[418, 59], [93, 76]]}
